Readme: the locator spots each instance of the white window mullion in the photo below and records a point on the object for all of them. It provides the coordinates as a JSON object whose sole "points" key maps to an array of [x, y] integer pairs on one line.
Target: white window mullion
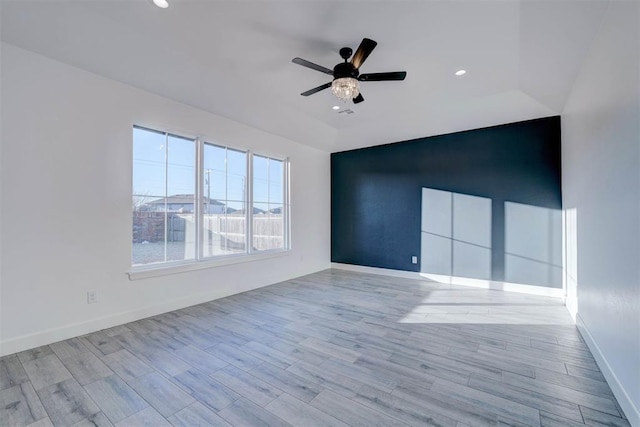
{"points": [[286, 208], [225, 236], [166, 192], [199, 199], [249, 203]]}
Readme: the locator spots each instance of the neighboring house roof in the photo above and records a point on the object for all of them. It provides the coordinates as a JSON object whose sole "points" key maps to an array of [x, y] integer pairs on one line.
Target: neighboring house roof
{"points": [[181, 199]]}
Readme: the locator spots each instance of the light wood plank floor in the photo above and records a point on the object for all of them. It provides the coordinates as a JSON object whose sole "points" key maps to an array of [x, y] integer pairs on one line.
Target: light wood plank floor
{"points": [[334, 348]]}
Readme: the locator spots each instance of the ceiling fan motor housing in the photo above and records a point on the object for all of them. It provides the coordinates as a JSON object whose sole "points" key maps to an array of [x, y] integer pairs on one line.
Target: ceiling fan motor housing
{"points": [[345, 69]]}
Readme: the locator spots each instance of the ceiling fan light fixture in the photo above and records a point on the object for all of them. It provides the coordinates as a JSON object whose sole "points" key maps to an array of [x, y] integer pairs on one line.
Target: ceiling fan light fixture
{"points": [[345, 88]]}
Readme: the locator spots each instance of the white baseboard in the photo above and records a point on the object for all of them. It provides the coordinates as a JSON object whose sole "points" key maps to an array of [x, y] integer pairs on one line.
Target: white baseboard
{"points": [[26, 342], [49, 336], [376, 270], [624, 400], [454, 280]]}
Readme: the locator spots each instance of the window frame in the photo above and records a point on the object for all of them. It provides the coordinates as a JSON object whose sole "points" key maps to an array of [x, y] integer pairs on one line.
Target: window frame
{"points": [[155, 269], [286, 205]]}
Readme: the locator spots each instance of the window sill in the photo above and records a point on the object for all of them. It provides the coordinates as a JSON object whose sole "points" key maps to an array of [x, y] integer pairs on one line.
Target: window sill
{"points": [[146, 272]]}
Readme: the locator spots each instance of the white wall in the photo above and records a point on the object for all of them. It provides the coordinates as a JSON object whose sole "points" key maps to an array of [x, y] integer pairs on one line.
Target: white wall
{"points": [[1, 210], [601, 190], [66, 188]]}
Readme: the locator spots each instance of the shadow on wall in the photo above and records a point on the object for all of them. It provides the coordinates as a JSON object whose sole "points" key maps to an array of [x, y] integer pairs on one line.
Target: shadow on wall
{"points": [[458, 239]]}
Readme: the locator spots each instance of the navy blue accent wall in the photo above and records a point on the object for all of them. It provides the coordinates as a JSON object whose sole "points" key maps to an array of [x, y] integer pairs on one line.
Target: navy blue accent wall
{"points": [[376, 192]]}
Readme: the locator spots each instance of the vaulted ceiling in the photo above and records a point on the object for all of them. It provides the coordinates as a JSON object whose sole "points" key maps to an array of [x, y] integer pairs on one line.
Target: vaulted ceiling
{"points": [[233, 58]]}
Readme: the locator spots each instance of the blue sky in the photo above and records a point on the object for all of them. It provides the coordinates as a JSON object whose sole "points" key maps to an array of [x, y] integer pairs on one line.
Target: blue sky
{"points": [[224, 171]]}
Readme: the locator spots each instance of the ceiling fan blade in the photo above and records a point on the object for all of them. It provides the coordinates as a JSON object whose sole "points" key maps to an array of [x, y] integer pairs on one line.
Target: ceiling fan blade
{"points": [[378, 77], [365, 48], [316, 89], [358, 99], [311, 65]]}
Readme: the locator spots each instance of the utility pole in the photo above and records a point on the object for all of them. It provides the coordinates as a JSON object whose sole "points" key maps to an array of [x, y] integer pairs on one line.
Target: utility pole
{"points": [[208, 172]]}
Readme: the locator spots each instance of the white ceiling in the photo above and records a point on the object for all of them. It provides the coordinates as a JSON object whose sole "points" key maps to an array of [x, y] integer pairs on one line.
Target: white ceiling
{"points": [[233, 58]]}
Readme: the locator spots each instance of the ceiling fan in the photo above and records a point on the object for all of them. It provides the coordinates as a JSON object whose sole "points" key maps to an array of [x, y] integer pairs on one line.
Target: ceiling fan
{"points": [[346, 75]]}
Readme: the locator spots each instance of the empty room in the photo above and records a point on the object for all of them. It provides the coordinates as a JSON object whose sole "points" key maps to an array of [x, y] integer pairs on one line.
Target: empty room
{"points": [[320, 213]]}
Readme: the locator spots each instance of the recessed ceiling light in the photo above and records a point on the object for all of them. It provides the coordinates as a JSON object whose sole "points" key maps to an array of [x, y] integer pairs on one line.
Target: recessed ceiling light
{"points": [[335, 107], [461, 72], [161, 3]]}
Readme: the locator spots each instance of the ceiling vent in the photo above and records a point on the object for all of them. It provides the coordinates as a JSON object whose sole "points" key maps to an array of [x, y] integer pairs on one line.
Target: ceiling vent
{"points": [[346, 111]]}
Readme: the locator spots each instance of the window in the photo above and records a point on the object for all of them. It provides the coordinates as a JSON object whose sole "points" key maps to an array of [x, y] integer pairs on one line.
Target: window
{"points": [[225, 217], [191, 200], [268, 203]]}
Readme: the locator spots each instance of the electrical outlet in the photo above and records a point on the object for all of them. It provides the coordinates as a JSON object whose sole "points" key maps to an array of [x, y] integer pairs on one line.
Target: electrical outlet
{"points": [[414, 259], [92, 297]]}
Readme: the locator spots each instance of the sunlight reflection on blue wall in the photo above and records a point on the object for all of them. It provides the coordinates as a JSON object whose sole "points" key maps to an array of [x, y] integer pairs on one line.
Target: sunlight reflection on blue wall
{"points": [[456, 234], [458, 240], [533, 245]]}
